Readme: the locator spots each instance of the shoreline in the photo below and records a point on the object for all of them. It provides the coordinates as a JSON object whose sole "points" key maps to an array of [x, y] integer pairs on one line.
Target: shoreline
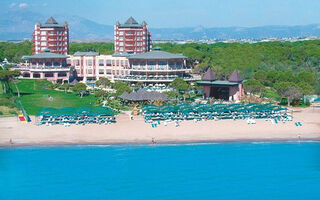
{"points": [[137, 132], [161, 143]]}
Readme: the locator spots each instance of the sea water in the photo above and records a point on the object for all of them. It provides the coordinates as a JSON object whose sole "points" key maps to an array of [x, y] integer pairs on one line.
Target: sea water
{"points": [[204, 171]]}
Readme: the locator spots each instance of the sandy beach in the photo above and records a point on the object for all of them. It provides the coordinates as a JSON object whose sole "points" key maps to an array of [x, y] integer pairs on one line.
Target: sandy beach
{"points": [[137, 131]]}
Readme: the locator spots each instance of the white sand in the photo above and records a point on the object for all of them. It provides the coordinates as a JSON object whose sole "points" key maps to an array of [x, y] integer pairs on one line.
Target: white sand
{"points": [[137, 131]]}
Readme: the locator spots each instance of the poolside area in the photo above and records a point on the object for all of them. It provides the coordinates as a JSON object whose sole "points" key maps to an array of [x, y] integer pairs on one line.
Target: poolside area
{"points": [[137, 131]]}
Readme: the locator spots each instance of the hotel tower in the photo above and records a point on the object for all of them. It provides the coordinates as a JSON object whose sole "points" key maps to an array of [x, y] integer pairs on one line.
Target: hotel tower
{"points": [[52, 36], [132, 37]]}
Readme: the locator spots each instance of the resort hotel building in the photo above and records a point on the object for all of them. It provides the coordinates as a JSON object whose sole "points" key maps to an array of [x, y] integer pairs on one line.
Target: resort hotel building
{"points": [[132, 37], [51, 35], [151, 67], [46, 65], [133, 61]]}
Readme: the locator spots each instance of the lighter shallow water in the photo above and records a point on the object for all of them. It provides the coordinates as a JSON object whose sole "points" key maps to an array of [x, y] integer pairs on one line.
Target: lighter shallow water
{"points": [[203, 171]]}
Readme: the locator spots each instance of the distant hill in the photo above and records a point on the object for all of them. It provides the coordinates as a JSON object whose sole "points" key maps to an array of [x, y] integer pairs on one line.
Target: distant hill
{"points": [[20, 24], [17, 25]]}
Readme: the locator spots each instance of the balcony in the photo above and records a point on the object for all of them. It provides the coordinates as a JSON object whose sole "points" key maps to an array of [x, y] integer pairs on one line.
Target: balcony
{"points": [[159, 68], [154, 78]]}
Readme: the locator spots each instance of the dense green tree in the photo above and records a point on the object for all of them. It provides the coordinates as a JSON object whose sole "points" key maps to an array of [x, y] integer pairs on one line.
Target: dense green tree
{"points": [[306, 77], [253, 86], [65, 87], [261, 76], [80, 88], [121, 87], [288, 90], [180, 85], [104, 82]]}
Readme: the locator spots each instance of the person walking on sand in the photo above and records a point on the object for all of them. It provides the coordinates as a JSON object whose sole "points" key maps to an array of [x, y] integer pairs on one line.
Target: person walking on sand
{"points": [[153, 141]]}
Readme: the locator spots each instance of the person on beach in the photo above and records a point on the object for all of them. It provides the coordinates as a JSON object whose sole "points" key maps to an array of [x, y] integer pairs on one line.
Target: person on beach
{"points": [[153, 141], [10, 141]]}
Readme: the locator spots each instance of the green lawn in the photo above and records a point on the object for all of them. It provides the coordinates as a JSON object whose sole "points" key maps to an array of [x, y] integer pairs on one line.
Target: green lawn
{"points": [[31, 85], [35, 95], [32, 103]]}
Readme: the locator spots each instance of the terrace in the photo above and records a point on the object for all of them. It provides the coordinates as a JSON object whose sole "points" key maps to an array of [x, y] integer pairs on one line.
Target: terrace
{"points": [[154, 78]]}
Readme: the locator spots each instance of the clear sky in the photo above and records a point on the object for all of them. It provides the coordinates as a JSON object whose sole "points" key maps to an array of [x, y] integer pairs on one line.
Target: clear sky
{"points": [[181, 13]]}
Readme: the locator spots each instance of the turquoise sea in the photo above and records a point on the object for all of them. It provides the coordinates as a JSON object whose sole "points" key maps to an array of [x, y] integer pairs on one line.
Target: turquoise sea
{"points": [[186, 171]]}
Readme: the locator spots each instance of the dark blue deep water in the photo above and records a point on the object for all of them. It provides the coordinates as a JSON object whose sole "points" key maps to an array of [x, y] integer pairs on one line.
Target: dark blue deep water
{"points": [[206, 171]]}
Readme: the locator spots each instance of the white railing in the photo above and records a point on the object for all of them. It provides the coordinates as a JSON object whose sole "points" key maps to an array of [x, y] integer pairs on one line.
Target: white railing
{"points": [[133, 78]]}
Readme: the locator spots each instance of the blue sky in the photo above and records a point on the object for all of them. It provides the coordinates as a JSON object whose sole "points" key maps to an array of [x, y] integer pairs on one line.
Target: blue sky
{"points": [[181, 13]]}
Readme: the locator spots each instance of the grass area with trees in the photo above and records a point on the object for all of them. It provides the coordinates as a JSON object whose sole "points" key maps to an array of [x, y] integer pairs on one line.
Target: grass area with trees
{"points": [[39, 93]]}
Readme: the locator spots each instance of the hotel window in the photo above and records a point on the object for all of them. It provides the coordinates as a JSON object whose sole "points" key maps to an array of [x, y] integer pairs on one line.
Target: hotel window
{"points": [[121, 48], [121, 38], [89, 62], [121, 63], [69, 61], [89, 71], [43, 33], [117, 62], [121, 43], [101, 71], [43, 38], [108, 62], [101, 62], [108, 71], [59, 37], [113, 62], [77, 62], [121, 33], [162, 63], [151, 63]]}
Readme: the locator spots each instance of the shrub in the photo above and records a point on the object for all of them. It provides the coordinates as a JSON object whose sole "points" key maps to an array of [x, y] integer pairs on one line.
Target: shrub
{"points": [[7, 102], [13, 112]]}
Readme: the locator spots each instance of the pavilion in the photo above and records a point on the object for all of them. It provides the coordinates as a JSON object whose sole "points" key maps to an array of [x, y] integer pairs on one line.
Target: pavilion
{"points": [[227, 90]]}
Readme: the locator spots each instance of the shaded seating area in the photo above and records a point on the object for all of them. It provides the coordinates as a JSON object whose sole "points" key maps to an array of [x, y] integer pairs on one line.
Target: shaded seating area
{"points": [[198, 112], [79, 116], [143, 95]]}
